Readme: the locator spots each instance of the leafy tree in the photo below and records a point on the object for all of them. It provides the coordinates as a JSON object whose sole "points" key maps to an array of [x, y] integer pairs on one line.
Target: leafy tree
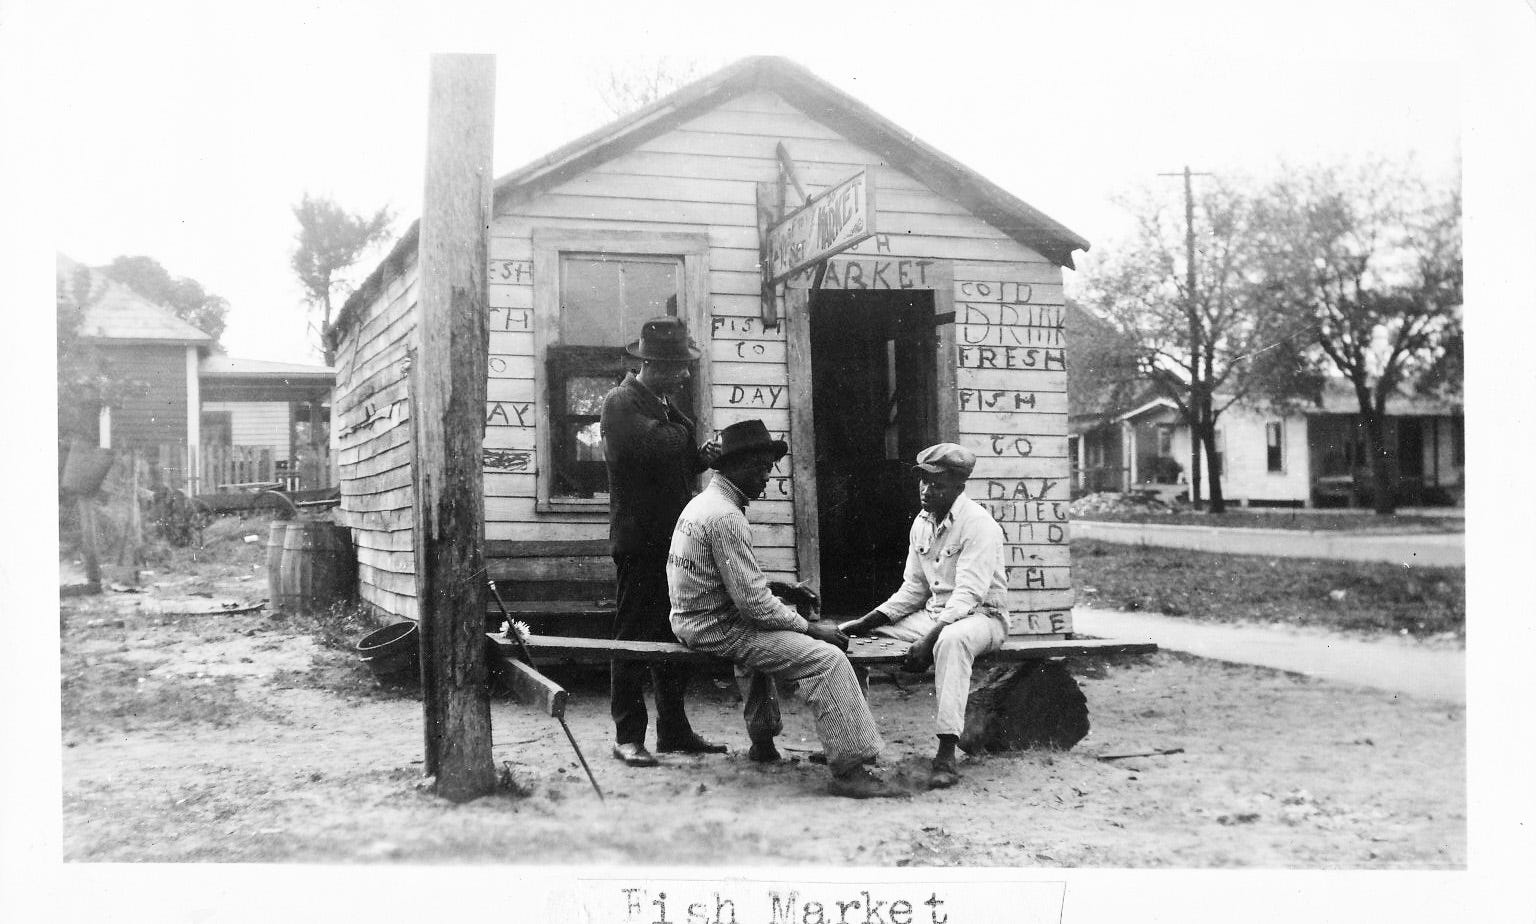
{"points": [[1207, 346], [184, 296], [1103, 362], [625, 88], [1371, 256], [330, 240]]}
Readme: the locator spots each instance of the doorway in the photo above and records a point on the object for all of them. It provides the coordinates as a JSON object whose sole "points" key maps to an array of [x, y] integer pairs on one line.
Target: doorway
{"points": [[874, 401]]}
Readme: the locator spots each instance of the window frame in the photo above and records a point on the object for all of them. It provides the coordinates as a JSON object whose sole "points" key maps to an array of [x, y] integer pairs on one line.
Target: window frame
{"points": [[549, 245], [1274, 463]]}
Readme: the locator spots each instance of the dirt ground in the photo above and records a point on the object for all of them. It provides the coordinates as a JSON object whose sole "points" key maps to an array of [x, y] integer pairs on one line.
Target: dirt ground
{"points": [[237, 738]]}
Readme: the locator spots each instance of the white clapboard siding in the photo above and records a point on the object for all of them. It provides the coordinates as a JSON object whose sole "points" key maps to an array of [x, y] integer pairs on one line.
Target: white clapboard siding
{"points": [[372, 433], [256, 423], [701, 177]]}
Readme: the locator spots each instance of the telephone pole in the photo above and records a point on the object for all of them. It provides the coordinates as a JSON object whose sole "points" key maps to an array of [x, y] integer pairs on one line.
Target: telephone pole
{"points": [[1198, 400]]}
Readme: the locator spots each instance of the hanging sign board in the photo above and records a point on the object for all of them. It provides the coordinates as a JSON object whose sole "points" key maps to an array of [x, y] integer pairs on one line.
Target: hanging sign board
{"points": [[828, 224]]}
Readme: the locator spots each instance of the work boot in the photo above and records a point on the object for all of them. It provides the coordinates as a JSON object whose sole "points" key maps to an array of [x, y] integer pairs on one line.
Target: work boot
{"points": [[943, 773], [763, 752], [859, 783]]}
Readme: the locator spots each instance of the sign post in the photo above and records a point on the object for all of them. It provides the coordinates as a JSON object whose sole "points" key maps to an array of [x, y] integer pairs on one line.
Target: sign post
{"points": [[828, 224]]}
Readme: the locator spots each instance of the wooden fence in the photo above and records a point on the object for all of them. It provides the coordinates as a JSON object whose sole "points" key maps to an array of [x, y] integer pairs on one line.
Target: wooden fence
{"points": [[212, 468]]}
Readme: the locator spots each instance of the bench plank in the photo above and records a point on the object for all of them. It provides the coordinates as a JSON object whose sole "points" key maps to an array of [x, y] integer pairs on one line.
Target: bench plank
{"points": [[532, 688], [867, 651]]}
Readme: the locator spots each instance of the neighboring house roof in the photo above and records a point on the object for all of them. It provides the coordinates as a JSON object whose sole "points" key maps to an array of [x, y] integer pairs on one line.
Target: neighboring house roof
{"points": [[1156, 404], [116, 312], [222, 366], [818, 100]]}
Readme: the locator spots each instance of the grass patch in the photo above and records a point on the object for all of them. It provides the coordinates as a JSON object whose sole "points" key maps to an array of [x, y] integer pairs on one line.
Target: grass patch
{"points": [[1367, 597], [1246, 518]]}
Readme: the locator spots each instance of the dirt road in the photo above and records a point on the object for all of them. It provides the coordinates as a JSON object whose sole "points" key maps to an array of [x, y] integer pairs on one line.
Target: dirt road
{"points": [[234, 738]]}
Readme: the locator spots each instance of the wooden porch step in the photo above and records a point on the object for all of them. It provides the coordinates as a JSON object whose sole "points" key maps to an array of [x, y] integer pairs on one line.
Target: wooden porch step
{"points": [[866, 651]]}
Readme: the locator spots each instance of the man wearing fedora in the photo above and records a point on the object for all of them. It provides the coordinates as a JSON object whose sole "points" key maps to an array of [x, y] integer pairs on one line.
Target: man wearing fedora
{"points": [[652, 463], [722, 604], [952, 605]]}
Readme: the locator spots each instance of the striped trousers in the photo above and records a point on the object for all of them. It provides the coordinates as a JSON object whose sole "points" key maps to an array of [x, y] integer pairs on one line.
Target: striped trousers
{"points": [[826, 679]]}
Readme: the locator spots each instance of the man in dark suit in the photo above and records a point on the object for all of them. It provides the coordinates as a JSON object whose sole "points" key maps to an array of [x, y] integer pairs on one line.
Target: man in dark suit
{"points": [[653, 463]]}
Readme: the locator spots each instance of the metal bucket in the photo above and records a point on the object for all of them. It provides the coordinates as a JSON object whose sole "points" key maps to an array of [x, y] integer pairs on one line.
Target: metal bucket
{"points": [[392, 653]]}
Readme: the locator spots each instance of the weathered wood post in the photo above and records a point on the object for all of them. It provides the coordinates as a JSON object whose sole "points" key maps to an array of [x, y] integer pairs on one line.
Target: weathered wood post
{"points": [[448, 417]]}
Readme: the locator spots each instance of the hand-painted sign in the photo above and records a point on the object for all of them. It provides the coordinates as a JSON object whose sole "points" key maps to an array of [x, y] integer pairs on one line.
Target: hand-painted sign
{"points": [[828, 224]]}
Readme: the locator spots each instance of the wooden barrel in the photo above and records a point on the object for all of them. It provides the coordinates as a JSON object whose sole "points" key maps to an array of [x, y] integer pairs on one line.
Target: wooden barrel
{"points": [[276, 532], [317, 568]]}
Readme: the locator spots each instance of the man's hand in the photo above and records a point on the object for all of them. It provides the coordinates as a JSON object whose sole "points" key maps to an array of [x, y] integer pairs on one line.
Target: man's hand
{"points": [[795, 594], [869, 622], [827, 632], [709, 452], [920, 655]]}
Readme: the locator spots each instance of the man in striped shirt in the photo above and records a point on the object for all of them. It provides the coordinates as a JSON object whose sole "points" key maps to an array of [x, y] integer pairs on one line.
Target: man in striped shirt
{"points": [[953, 601], [722, 604]]}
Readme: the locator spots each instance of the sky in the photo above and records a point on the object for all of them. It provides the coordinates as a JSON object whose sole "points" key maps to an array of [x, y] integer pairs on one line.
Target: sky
{"points": [[186, 134]]}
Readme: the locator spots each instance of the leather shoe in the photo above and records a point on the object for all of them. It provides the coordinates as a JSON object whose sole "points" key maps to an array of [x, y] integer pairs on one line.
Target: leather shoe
{"points": [[943, 774], [763, 752], [634, 755], [693, 744], [861, 784]]}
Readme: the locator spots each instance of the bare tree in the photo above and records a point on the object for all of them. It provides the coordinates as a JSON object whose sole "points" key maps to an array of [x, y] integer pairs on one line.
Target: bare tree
{"points": [[330, 240], [638, 83], [1222, 341], [1371, 255]]}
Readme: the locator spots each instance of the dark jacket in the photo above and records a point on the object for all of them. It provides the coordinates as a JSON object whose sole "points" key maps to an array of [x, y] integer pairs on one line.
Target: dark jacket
{"points": [[652, 461]]}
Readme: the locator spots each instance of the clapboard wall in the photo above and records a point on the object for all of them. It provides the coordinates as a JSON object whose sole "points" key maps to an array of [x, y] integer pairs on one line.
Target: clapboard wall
{"points": [[701, 178], [154, 412], [371, 437]]}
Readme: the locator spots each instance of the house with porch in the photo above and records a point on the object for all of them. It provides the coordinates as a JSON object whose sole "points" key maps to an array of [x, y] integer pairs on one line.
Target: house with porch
{"points": [[1311, 455], [203, 418]]}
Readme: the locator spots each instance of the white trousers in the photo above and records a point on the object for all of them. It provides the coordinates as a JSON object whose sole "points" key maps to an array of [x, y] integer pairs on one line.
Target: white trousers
{"points": [[959, 645]]}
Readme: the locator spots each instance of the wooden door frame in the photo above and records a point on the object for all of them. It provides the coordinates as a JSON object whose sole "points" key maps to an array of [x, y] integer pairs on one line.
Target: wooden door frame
{"points": [[939, 276]]}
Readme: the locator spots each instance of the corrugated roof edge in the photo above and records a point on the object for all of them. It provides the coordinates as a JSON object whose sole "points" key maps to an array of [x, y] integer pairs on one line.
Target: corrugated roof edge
{"points": [[819, 100]]}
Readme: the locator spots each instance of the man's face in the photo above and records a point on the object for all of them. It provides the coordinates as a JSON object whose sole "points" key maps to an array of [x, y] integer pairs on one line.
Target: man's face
{"points": [[665, 378], [937, 492], [750, 473]]}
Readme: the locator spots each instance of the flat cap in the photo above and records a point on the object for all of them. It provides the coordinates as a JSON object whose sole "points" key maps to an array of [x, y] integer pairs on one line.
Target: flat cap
{"points": [[951, 458]]}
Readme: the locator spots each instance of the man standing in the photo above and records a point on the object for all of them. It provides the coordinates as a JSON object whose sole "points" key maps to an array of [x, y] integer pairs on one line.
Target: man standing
{"points": [[652, 464], [953, 601], [722, 604]]}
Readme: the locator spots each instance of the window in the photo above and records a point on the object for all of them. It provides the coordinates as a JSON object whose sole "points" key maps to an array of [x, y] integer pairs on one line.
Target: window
{"points": [[1165, 441], [1274, 446], [592, 292], [1220, 464]]}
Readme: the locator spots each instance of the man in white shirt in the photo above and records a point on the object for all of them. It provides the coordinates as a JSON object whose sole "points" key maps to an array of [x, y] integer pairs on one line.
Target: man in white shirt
{"points": [[953, 601]]}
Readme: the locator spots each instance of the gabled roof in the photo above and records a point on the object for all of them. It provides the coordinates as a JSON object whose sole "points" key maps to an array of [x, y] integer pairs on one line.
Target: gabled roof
{"points": [[813, 96], [826, 104], [116, 312]]}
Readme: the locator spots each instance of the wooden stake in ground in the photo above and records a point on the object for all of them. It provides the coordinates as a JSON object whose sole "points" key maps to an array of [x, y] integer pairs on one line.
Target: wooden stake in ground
{"points": [[448, 418]]}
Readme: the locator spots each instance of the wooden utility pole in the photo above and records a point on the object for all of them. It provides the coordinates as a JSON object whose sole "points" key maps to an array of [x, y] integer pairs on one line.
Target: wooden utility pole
{"points": [[1197, 395], [448, 421]]}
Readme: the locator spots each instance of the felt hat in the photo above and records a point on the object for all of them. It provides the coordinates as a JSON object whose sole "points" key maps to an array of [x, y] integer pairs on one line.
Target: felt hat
{"points": [[746, 436], [946, 458], [665, 339]]}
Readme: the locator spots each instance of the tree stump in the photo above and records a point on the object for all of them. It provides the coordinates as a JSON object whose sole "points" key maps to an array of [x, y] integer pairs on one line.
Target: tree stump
{"points": [[1034, 704]]}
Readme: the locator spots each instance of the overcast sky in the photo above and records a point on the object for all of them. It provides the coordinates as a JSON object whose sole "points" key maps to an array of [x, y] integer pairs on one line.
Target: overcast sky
{"points": [[187, 138]]}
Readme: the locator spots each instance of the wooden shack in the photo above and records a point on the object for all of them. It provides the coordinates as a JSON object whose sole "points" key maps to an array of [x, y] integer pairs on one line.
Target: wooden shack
{"points": [[945, 324]]}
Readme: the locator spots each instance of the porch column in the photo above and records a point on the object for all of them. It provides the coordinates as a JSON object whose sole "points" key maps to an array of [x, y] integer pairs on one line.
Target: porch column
{"points": [[1128, 453], [194, 423]]}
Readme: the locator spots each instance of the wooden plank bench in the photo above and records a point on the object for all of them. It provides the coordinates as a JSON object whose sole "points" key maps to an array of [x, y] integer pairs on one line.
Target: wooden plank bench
{"points": [[869, 652]]}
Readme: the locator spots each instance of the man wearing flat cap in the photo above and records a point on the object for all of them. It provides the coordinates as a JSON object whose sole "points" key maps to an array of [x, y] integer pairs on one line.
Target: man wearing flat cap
{"points": [[723, 604], [652, 463], [952, 605]]}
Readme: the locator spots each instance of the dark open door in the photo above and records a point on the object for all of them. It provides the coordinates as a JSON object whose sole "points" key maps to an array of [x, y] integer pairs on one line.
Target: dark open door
{"points": [[873, 372]]}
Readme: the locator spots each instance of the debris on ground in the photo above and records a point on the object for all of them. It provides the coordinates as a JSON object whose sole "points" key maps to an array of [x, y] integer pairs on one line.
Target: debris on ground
{"points": [[1116, 502]]}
